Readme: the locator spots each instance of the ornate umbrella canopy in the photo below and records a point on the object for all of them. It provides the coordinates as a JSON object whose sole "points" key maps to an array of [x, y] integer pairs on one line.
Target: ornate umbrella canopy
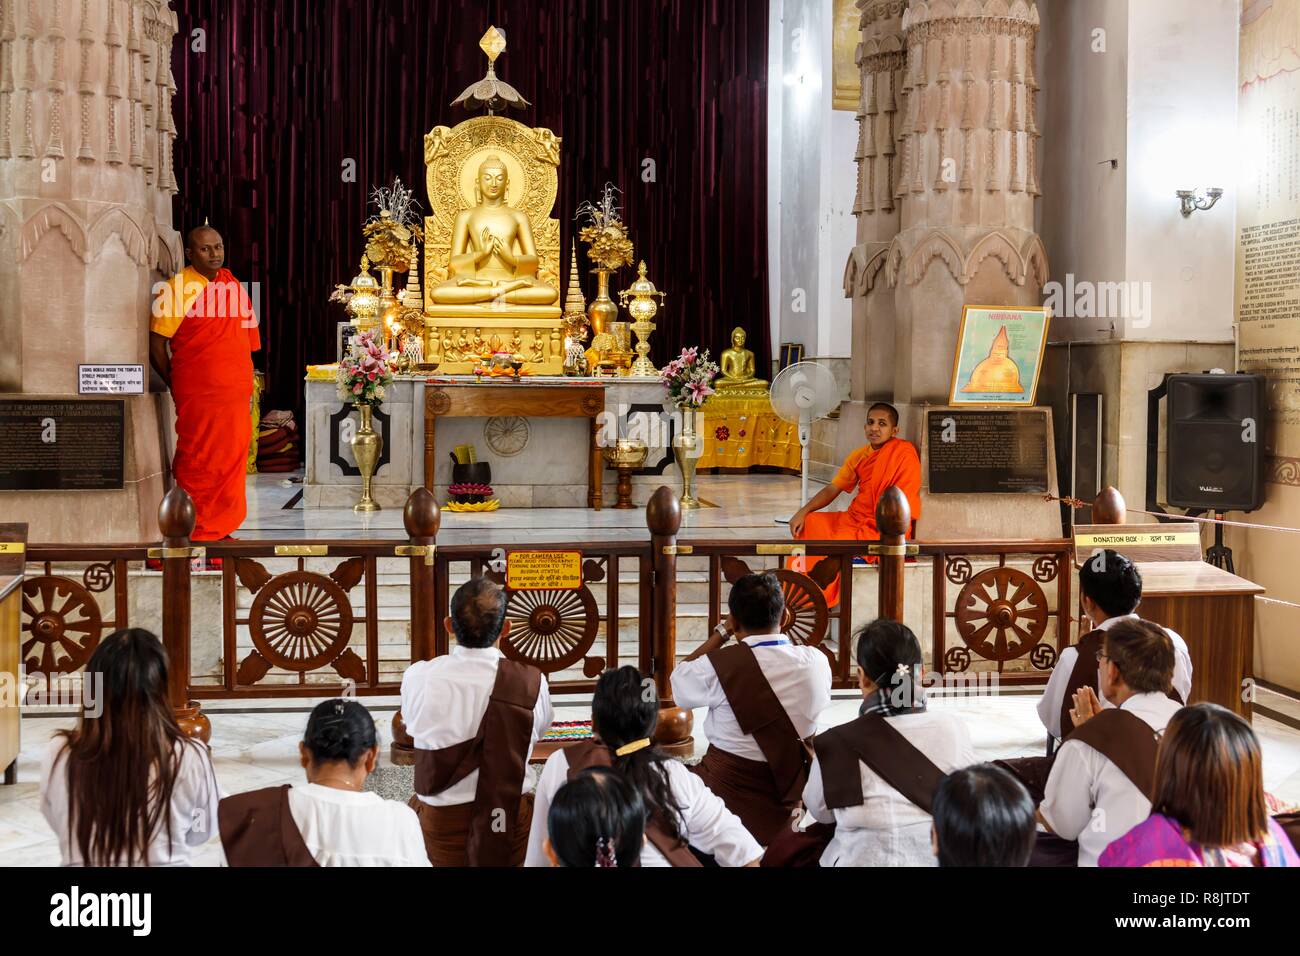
{"points": [[491, 92]]}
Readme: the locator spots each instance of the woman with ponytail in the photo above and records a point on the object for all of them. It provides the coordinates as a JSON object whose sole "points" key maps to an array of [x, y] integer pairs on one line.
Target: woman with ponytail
{"points": [[681, 812], [875, 778], [331, 820], [127, 787]]}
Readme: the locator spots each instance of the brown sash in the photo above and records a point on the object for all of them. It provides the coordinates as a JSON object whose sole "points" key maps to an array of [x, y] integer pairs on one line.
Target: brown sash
{"points": [[499, 752], [1085, 673], [592, 753], [871, 740], [1127, 741], [759, 712], [257, 829]]}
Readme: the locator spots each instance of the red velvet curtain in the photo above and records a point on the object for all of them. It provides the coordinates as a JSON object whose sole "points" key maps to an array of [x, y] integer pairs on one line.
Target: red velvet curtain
{"points": [[276, 95]]}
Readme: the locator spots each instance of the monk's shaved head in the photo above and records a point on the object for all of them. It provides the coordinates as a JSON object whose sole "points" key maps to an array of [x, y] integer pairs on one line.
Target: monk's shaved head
{"points": [[205, 251], [893, 412], [881, 425], [195, 237]]}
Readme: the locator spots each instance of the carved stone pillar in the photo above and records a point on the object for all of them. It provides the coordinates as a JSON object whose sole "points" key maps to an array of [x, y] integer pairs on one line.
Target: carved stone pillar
{"points": [[85, 226], [967, 184], [880, 124]]}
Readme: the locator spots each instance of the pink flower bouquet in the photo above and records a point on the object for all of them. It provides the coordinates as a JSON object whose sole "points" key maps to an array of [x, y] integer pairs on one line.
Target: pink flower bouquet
{"points": [[365, 371], [689, 377]]}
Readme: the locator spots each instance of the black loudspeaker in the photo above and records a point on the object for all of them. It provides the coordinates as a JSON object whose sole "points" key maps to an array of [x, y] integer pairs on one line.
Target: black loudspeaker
{"points": [[1216, 440]]}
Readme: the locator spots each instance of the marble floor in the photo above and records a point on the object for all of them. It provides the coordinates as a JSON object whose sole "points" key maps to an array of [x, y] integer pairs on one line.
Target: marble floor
{"points": [[745, 506], [257, 746]]}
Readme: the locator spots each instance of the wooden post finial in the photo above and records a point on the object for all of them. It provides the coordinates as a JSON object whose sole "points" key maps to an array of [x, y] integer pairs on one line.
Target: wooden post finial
{"points": [[176, 518], [1109, 507], [893, 513], [663, 512], [421, 516]]}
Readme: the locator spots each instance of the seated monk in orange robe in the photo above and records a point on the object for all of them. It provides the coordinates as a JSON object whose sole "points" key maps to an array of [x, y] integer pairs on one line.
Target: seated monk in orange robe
{"points": [[885, 460], [204, 319]]}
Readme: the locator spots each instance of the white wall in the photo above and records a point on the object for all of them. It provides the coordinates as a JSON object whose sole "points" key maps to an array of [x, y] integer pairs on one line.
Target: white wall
{"points": [[1082, 111], [1182, 133], [1161, 98]]}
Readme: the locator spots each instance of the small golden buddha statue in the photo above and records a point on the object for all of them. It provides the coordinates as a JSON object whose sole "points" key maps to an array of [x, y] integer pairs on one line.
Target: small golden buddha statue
{"points": [[493, 257], [998, 372], [738, 367]]}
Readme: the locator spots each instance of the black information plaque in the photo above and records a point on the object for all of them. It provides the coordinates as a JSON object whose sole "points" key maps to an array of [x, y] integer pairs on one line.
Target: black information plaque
{"points": [[61, 445], [987, 451]]}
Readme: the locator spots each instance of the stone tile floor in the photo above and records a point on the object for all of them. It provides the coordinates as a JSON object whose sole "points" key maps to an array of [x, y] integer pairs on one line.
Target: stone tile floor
{"points": [[255, 744]]}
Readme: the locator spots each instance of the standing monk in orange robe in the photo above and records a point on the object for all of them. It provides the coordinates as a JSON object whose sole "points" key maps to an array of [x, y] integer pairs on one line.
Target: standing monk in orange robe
{"points": [[885, 460], [201, 339]]}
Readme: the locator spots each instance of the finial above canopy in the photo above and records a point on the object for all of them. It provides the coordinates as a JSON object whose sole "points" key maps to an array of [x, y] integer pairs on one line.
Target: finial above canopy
{"points": [[491, 93]]}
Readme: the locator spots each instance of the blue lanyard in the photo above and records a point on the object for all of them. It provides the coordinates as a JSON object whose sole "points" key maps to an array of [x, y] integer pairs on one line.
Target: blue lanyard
{"points": [[770, 643]]}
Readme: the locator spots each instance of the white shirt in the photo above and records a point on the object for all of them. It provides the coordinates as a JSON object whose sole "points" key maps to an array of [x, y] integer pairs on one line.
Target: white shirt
{"points": [[193, 809], [1049, 705], [887, 829], [800, 677], [708, 824], [346, 828], [443, 703], [1088, 798]]}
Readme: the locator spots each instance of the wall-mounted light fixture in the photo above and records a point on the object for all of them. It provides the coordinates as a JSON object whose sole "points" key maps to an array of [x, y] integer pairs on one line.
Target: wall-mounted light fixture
{"points": [[1191, 199]]}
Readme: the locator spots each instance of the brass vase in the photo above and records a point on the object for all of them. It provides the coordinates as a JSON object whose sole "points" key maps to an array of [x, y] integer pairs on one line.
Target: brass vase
{"points": [[366, 447], [602, 313], [685, 450]]}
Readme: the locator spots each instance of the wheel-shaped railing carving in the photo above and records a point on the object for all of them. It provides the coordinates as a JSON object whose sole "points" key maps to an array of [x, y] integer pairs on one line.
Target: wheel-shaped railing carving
{"points": [[551, 629], [64, 622], [300, 621], [1001, 613], [806, 617]]}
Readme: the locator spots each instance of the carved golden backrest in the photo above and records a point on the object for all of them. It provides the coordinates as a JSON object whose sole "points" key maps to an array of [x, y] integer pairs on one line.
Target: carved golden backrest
{"points": [[452, 156]]}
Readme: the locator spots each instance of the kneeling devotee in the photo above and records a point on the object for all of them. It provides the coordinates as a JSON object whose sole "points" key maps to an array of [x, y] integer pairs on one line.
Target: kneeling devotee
{"points": [[201, 337], [1111, 588], [598, 820], [1101, 779], [983, 816], [875, 777], [332, 820], [474, 717], [885, 460], [764, 695], [681, 812], [1208, 807]]}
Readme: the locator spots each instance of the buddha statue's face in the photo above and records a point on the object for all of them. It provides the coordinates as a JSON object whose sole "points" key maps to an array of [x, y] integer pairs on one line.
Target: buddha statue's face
{"points": [[492, 179], [738, 339]]}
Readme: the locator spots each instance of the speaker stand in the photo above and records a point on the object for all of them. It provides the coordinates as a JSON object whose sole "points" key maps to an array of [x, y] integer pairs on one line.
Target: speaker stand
{"points": [[1220, 555]]}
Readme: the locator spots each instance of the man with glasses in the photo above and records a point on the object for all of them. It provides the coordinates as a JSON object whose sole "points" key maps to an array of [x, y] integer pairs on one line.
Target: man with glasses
{"points": [[1101, 778]]}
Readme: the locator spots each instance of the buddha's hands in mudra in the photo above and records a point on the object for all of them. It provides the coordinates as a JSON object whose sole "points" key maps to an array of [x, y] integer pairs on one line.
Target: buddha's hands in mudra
{"points": [[492, 245]]}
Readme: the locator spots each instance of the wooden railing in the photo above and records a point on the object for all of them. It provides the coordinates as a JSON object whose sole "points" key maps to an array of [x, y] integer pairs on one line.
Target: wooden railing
{"points": [[312, 624]]}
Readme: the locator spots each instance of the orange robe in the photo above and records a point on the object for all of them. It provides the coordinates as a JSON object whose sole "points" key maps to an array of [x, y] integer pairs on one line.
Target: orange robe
{"points": [[213, 334], [870, 471]]}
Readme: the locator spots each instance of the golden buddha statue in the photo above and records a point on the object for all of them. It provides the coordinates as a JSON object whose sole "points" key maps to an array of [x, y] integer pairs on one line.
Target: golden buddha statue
{"points": [[738, 367], [491, 246], [493, 258], [998, 372]]}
